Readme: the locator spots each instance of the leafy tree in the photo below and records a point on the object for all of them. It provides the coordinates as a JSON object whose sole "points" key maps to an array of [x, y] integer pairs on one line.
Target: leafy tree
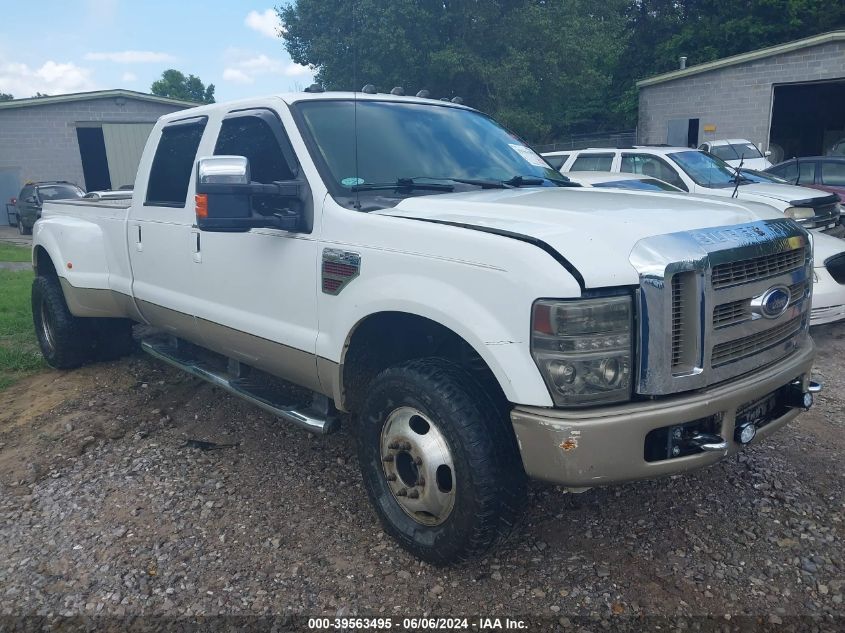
{"points": [[545, 68], [176, 85], [39, 95], [5, 96], [539, 67]]}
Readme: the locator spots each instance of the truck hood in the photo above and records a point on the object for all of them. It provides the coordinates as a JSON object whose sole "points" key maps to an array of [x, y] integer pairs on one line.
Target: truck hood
{"points": [[775, 191], [593, 229]]}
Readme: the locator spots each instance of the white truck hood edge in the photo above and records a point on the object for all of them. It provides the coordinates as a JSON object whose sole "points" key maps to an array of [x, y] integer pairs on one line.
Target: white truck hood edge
{"points": [[592, 229], [784, 193]]}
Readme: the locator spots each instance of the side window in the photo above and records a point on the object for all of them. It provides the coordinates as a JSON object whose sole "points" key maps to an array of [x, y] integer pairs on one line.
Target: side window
{"points": [[833, 173], [806, 173], [557, 161], [789, 171], [592, 162], [173, 164], [652, 166], [26, 192], [252, 137]]}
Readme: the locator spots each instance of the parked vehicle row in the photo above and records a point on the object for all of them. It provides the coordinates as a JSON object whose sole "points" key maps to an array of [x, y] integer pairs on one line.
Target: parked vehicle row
{"points": [[828, 301], [696, 171], [481, 317], [28, 204]]}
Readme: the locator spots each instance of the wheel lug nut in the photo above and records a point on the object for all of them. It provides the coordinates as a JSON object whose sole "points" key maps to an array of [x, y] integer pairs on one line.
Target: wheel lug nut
{"points": [[413, 494], [387, 458], [402, 492]]}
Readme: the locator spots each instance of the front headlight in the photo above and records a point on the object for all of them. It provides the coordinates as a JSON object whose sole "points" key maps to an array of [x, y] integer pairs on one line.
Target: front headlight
{"points": [[583, 349], [800, 214]]}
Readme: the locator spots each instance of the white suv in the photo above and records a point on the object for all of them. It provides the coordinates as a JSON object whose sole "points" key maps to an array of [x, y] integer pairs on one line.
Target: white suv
{"points": [[696, 171]]}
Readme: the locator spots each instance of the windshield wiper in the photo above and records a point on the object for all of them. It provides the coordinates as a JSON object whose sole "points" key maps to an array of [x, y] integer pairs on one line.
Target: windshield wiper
{"points": [[533, 181], [403, 183]]}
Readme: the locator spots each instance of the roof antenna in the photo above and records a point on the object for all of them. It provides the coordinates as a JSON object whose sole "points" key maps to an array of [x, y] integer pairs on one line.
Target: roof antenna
{"points": [[357, 203]]}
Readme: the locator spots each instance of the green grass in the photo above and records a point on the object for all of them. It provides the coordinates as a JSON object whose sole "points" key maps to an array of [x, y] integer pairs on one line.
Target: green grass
{"points": [[19, 353], [12, 253]]}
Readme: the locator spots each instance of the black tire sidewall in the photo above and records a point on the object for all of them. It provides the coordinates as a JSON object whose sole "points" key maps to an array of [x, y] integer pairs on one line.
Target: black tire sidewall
{"points": [[71, 340], [473, 522]]}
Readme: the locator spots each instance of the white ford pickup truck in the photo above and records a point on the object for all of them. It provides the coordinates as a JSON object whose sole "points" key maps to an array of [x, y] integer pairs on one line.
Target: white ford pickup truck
{"points": [[412, 263]]}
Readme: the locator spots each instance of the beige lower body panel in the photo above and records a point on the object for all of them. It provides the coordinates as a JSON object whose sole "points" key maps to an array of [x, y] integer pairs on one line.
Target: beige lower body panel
{"points": [[95, 302], [595, 447]]}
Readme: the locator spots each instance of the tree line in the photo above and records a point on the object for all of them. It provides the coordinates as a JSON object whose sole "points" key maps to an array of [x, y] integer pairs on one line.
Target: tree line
{"points": [[545, 68]]}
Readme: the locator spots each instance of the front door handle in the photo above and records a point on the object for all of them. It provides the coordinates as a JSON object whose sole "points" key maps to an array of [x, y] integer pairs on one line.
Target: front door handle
{"points": [[139, 245]]}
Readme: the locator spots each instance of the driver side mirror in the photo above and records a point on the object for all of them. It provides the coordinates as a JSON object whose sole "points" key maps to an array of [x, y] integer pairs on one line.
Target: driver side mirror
{"points": [[228, 201], [767, 153]]}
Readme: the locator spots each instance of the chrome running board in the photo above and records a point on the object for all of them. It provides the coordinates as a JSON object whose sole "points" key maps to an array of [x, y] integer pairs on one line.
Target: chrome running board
{"points": [[319, 417]]}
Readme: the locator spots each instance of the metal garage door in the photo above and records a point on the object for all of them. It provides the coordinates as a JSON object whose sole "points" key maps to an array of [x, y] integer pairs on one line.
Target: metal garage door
{"points": [[124, 146]]}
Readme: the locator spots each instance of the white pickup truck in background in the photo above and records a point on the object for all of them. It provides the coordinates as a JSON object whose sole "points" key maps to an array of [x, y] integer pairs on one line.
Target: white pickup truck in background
{"points": [[411, 262]]}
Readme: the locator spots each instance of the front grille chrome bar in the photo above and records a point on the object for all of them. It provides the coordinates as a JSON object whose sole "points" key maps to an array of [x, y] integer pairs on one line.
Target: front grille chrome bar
{"points": [[696, 326]]}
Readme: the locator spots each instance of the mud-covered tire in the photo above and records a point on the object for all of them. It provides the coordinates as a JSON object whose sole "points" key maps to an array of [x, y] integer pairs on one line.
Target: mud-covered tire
{"points": [[488, 479], [113, 338], [66, 341]]}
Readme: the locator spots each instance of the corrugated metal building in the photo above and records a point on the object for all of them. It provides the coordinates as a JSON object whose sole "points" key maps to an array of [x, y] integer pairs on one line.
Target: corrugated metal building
{"points": [[788, 98], [93, 139]]}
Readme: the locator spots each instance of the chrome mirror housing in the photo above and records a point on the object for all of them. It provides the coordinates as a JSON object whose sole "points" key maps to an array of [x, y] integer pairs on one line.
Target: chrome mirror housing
{"points": [[223, 170]]}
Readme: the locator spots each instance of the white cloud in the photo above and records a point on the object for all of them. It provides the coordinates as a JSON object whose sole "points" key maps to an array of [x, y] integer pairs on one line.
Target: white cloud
{"points": [[237, 76], [129, 77], [130, 57], [243, 67], [265, 22], [51, 78]]}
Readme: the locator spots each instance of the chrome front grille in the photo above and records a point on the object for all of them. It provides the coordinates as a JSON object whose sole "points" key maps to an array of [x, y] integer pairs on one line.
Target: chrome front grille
{"points": [[733, 312], [740, 348], [720, 303], [763, 267]]}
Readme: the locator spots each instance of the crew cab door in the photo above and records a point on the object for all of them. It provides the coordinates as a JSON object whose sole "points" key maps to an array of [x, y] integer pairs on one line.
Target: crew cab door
{"points": [[159, 231], [256, 291]]}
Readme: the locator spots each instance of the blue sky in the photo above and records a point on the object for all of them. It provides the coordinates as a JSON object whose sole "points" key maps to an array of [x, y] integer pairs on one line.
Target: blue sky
{"points": [[56, 47]]}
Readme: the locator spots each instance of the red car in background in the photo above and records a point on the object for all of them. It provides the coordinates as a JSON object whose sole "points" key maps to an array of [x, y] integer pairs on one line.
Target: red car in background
{"points": [[819, 172]]}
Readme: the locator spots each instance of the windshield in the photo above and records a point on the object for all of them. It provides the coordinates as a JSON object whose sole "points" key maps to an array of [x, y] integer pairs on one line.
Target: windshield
{"points": [[759, 176], [735, 151], [642, 184], [416, 143], [704, 169], [59, 192]]}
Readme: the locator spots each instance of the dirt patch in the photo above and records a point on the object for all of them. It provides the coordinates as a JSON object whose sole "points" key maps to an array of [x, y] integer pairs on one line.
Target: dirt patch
{"points": [[106, 508]]}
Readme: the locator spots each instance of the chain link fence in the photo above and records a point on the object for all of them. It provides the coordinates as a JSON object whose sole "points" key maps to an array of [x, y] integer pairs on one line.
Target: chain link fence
{"points": [[580, 141]]}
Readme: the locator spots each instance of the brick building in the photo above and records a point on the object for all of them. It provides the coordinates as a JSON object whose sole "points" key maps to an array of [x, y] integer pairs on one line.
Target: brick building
{"points": [[94, 139], [788, 98]]}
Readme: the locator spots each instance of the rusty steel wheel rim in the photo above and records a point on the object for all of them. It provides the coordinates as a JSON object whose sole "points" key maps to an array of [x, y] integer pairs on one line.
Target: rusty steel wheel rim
{"points": [[418, 466]]}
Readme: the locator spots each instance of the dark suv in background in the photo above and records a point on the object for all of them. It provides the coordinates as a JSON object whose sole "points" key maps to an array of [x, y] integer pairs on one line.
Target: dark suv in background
{"points": [[34, 194]]}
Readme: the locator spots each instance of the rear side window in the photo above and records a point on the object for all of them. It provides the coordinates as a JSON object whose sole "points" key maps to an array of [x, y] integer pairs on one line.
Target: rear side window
{"points": [[833, 174], [592, 162], [806, 173], [251, 136], [173, 164]]}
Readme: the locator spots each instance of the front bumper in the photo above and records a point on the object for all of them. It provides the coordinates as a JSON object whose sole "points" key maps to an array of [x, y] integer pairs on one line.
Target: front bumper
{"points": [[594, 447]]}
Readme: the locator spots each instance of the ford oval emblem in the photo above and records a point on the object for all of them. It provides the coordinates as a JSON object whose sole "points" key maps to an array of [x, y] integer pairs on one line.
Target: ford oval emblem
{"points": [[774, 302]]}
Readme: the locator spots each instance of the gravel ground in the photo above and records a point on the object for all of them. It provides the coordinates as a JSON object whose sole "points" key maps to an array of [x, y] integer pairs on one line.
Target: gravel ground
{"points": [[105, 509]]}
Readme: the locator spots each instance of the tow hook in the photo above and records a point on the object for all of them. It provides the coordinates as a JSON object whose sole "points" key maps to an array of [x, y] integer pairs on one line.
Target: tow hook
{"points": [[708, 442], [800, 399]]}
